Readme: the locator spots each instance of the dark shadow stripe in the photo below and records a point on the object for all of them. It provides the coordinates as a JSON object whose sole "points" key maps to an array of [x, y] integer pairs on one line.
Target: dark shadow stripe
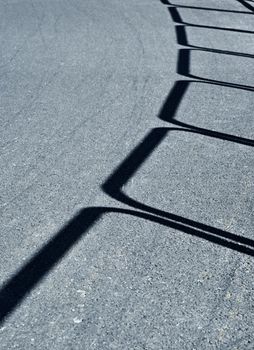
{"points": [[24, 280], [209, 9], [171, 105], [219, 28], [183, 68], [133, 161], [175, 15], [246, 4], [183, 62], [221, 52], [181, 35], [18, 286]]}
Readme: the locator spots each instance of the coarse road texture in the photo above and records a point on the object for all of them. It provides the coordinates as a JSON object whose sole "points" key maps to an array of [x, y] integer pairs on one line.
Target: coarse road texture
{"points": [[127, 174]]}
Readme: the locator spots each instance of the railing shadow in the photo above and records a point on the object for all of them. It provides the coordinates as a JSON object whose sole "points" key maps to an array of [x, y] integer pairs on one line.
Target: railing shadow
{"points": [[180, 87], [242, 2], [182, 39], [246, 4], [114, 184], [24, 280], [172, 104], [178, 19]]}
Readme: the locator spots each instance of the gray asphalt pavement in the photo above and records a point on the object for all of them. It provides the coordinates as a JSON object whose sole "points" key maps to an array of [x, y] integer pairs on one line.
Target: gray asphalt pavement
{"points": [[127, 168]]}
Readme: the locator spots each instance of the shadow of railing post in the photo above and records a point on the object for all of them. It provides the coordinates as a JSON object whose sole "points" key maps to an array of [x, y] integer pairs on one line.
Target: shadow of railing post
{"points": [[18, 286]]}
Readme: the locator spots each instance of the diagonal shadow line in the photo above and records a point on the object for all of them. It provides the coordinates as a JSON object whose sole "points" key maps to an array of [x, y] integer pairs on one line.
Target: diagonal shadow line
{"points": [[179, 89], [127, 169], [183, 68], [178, 19], [20, 285], [175, 15], [165, 2], [172, 104], [246, 4], [181, 35], [131, 164]]}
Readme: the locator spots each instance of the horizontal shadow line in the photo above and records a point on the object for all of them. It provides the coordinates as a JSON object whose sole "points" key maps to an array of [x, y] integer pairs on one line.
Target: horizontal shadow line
{"points": [[209, 9], [176, 17], [27, 277], [183, 68], [182, 39], [172, 103], [222, 52], [125, 171], [24, 280], [218, 28]]}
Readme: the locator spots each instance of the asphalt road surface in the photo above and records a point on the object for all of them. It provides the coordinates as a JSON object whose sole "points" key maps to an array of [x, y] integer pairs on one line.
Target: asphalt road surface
{"points": [[127, 172]]}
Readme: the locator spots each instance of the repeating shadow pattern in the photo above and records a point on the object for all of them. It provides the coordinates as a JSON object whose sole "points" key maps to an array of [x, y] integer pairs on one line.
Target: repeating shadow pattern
{"points": [[180, 87], [24, 280]]}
